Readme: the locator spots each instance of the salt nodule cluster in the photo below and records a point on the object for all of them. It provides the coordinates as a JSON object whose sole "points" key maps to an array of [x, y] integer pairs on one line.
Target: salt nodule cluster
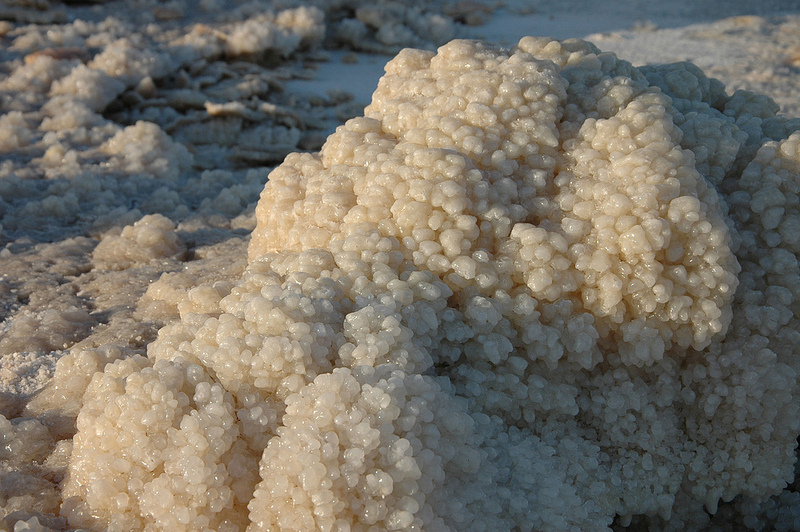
{"points": [[512, 254]]}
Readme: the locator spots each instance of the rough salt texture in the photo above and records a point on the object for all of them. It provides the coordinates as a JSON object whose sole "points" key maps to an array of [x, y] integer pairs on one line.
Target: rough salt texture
{"points": [[134, 141], [152, 237], [534, 288], [762, 53]]}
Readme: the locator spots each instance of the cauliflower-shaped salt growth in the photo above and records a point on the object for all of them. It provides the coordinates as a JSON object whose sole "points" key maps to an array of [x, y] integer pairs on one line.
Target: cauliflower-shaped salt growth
{"points": [[467, 179], [158, 448], [743, 389], [35, 77], [92, 87], [152, 237], [14, 131], [581, 241], [699, 112], [283, 33], [379, 448], [560, 279], [144, 148], [293, 315], [130, 62]]}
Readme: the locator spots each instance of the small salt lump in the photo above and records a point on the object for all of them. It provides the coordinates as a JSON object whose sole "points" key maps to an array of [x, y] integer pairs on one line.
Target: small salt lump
{"points": [[153, 237]]}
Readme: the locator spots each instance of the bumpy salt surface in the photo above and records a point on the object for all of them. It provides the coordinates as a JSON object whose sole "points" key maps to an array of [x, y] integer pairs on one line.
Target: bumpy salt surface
{"points": [[530, 288], [133, 144]]}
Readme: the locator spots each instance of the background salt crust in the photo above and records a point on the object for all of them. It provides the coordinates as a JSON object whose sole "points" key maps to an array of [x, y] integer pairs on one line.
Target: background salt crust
{"points": [[135, 138]]}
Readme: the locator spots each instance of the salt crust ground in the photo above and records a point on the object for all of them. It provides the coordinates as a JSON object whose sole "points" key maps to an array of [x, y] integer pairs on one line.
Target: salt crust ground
{"points": [[109, 223]]}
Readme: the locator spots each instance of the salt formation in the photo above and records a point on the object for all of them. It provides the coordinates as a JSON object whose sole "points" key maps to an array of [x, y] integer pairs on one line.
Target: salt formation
{"points": [[534, 288], [152, 237]]}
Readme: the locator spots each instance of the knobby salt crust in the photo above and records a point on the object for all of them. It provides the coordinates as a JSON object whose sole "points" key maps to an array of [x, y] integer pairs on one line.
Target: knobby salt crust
{"points": [[510, 295]]}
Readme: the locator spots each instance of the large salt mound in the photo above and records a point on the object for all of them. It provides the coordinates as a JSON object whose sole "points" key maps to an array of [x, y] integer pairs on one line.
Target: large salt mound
{"points": [[534, 288]]}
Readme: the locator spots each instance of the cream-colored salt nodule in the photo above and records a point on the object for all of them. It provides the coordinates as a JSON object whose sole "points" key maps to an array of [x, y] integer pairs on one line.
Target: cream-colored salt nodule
{"points": [[534, 288]]}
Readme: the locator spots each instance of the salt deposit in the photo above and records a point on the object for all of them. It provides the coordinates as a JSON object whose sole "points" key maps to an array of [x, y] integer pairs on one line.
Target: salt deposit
{"points": [[553, 292]]}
